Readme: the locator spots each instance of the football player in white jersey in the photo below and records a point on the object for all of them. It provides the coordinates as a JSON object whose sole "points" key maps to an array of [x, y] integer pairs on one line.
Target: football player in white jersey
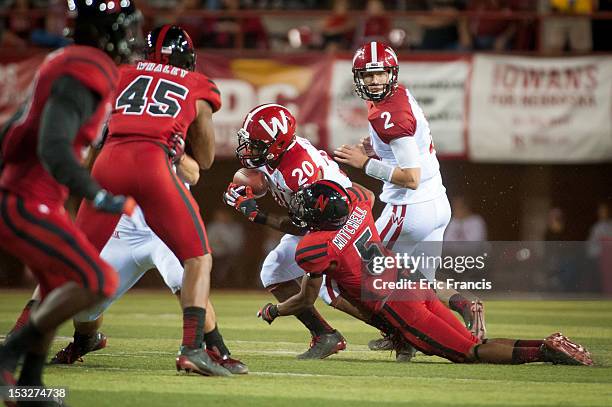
{"points": [[267, 143], [132, 250], [400, 152]]}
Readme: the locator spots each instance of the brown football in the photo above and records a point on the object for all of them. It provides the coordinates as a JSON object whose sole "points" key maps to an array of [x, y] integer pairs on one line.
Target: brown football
{"points": [[252, 178]]}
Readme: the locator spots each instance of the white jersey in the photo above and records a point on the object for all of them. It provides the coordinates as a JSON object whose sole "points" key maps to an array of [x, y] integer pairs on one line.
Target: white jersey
{"points": [[300, 165], [396, 117]]}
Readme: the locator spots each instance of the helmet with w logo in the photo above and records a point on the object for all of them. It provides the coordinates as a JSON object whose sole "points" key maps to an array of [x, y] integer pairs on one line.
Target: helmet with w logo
{"points": [[171, 45], [375, 57], [324, 205], [267, 132]]}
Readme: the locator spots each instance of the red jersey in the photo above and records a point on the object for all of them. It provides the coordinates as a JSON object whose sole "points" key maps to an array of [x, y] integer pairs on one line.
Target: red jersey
{"points": [[155, 101], [352, 248], [23, 173]]}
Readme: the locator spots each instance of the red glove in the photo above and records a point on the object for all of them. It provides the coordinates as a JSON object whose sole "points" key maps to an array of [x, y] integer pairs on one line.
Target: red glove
{"points": [[242, 199]]}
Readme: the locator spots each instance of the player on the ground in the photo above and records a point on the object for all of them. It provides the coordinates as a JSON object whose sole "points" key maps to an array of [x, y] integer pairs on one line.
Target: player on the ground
{"points": [[268, 143], [343, 244], [65, 112], [132, 250], [400, 152], [157, 98]]}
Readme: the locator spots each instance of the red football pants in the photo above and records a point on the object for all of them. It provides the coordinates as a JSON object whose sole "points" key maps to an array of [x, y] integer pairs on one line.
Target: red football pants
{"points": [[47, 241], [144, 171], [431, 328]]}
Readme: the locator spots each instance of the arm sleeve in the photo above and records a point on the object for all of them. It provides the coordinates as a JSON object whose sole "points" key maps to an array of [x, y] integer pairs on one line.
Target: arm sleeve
{"points": [[313, 256], [406, 152], [70, 104]]}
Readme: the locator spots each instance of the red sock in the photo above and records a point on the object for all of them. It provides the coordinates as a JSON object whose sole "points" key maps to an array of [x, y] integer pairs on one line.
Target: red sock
{"points": [[25, 315], [460, 304], [193, 327], [528, 343], [526, 355]]}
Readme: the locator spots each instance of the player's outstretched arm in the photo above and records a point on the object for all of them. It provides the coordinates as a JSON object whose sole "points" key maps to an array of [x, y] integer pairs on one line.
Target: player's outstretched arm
{"points": [[407, 174], [201, 135], [311, 284], [69, 106], [243, 200]]}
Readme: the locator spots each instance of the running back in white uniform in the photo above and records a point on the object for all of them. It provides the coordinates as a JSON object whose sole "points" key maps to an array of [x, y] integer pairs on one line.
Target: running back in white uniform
{"points": [[301, 164], [132, 250], [397, 125]]}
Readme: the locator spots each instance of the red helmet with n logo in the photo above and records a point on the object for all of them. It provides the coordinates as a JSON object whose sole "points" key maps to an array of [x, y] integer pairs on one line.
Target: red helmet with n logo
{"points": [[375, 57], [267, 132]]}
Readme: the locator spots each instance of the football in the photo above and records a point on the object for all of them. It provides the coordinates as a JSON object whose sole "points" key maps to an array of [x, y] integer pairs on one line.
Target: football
{"points": [[252, 178]]}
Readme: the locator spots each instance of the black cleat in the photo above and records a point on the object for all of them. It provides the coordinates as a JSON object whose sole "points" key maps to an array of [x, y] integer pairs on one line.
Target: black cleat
{"points": [[235, 366], [381, 344], [324, 346], [76, 350], [198, 361]]}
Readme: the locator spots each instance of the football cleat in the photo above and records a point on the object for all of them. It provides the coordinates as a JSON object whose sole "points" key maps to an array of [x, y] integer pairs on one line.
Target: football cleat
{"points": [[76, 350], [560, 350], [324, 345], [235, 366], [198, 361], [384, 343], [404, 351], [476, 324]]}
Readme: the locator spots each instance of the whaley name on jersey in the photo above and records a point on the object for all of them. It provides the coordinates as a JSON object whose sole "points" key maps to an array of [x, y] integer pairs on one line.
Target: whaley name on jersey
{"points": [[155, 67]]}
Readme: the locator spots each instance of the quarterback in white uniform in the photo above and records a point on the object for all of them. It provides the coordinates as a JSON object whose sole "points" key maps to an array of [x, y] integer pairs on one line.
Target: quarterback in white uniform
{"points": [[401, 153], [268, 144]]}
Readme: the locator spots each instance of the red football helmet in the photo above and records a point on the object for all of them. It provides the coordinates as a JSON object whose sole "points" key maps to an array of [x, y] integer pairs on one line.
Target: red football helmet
{"points": [[267, 132], [375, 57]]}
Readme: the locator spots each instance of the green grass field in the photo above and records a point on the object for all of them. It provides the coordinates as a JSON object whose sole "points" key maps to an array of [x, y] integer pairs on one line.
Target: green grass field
{"points": [[137, 367]]}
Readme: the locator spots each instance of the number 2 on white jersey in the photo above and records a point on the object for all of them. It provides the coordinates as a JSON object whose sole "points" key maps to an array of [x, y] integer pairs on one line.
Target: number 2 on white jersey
{"points": [[387, 117]]}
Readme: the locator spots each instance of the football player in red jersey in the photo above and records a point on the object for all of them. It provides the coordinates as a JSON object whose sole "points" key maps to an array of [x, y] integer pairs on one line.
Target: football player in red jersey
{"points": [[65, 112], [157, 98], [400, 152], [343, 243]]}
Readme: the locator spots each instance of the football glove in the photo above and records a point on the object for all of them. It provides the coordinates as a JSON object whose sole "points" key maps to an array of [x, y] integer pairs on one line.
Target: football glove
{"points": [[106, 202], [176, 147], [242, 199], [268, 313]]}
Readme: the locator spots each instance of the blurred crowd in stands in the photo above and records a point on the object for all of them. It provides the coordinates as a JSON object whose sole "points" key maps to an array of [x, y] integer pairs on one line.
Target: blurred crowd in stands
{"points": [[549, 26]]}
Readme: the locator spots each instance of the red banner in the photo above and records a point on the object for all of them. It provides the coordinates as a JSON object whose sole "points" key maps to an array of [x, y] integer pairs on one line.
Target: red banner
{"points": [[15, 79], [302, 83]]}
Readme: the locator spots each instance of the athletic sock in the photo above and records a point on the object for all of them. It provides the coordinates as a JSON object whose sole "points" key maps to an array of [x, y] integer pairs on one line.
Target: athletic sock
{"points": [[314, 322], [193, 327], [526, 355], [214, 339], [24, 316], [459, 303], [31, 373], [17, 344], [528, 343]]}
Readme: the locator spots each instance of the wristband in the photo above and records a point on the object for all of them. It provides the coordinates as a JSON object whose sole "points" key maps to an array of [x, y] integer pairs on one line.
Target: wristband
{"points": [[378, 169]]}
